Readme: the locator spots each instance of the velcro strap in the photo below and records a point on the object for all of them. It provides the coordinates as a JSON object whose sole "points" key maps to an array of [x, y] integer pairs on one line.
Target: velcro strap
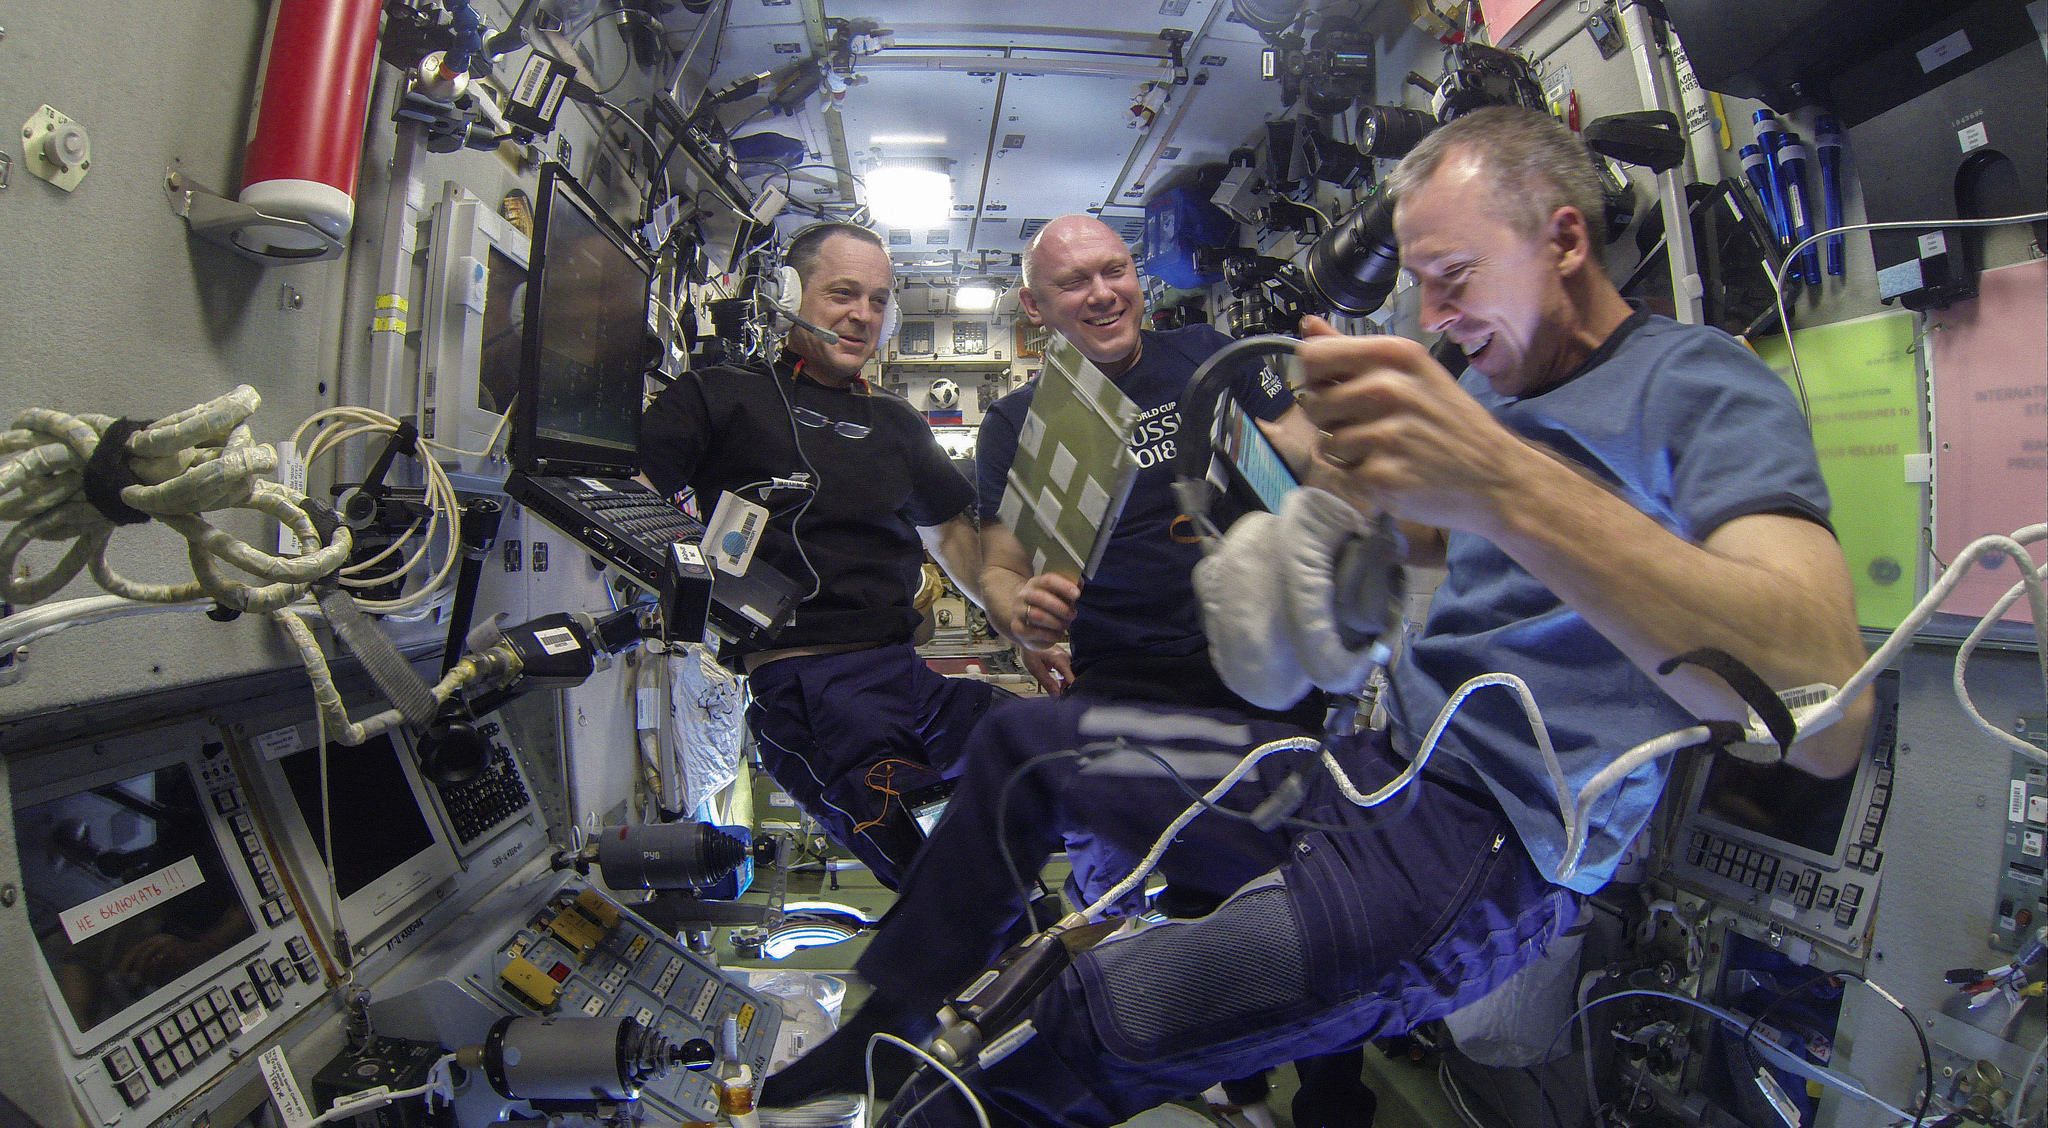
{"points": [[107, 473], [1754, 691]]}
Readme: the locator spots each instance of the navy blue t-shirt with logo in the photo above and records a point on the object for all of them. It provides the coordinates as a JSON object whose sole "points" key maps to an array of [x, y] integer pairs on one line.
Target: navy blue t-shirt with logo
{"points": [[1142, 597]]}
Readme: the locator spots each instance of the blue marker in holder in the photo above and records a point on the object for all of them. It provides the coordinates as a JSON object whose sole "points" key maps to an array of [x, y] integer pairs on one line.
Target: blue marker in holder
{"points": [[1828, 142]]}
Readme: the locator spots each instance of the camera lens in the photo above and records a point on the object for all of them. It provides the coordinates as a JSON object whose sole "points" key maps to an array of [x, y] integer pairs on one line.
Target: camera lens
{"points": [[1390, 131], [1353, 266]]}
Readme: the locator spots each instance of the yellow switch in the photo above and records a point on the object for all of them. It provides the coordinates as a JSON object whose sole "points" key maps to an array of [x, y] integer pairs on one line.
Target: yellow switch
{"points": [[536, 985], [575, 930], [598, 909]]}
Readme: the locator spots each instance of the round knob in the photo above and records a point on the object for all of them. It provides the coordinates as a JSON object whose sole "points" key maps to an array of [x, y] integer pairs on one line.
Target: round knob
{"points": [[67, 146], [453, 752]]}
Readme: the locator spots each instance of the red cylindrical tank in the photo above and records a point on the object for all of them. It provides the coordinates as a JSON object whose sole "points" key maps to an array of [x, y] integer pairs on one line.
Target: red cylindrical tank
{"points": [[307, 145]]}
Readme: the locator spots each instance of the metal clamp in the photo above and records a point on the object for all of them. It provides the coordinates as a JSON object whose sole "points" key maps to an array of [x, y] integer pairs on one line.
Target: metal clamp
{"points": [[218, 220]]}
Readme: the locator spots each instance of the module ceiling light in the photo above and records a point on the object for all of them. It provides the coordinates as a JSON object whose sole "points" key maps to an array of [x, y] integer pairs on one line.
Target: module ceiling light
{"points": [[910, 195], [975, 296]]}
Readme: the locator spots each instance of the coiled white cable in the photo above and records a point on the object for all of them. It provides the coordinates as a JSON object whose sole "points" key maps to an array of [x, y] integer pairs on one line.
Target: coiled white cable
{"points": [[197, 461], [339, 424]]}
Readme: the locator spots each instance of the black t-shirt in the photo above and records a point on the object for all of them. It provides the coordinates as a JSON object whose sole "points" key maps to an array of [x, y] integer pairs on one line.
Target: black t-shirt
{"points": [[1141, 600], [731, 428]]}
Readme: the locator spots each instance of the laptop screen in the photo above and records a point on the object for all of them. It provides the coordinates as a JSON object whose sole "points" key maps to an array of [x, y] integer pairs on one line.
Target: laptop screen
{"points": [[585, 350]]}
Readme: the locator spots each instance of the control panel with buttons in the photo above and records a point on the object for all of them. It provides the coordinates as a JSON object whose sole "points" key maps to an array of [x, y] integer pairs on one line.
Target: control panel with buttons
{"points": [[1793, 849], [2023, 868], [235, 960], [567, 949]]}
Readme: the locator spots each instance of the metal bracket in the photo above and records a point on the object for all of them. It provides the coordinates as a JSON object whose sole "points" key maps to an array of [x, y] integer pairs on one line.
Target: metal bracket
{"points": [[218, 220]]}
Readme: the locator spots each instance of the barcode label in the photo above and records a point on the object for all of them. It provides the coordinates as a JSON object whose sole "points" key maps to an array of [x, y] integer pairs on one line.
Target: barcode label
{"points": [[527, 92]]}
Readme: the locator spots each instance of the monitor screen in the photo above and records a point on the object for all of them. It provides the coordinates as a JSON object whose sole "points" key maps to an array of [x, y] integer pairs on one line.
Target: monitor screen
{"points": [[1254, 458], [588, 319], [927, 804], [1787, 805], [504, 317], [1779, 802], [127, 890], [383, 827]]}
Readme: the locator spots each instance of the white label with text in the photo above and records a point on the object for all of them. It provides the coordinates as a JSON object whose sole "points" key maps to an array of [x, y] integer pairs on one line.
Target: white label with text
{"points": [[83, 920]]}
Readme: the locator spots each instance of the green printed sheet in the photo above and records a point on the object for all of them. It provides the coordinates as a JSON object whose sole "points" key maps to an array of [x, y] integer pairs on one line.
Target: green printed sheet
{"points": [[1074, 466], [1863, 390]]}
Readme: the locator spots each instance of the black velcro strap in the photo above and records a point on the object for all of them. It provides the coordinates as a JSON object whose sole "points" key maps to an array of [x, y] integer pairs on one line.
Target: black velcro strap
{"points": [[1754, 691], [1720, 735], [107, 473]]}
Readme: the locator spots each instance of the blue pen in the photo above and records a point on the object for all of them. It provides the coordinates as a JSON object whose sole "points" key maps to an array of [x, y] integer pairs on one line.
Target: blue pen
{"points": [[1828, 140], [1798, 207], [1759, 174], [1769, 135]]}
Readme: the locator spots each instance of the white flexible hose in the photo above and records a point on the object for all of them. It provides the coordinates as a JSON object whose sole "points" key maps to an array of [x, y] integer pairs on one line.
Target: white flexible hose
{"points": [[197, 461], [1145, 866], [327, 699], [1574, 811]]}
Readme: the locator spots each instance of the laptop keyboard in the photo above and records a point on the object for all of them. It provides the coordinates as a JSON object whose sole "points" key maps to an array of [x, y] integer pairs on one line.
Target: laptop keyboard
{"points": [[642, 516]]}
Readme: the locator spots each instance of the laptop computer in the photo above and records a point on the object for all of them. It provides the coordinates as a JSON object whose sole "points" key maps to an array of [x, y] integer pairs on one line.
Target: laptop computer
{"points": [[576, 422]]}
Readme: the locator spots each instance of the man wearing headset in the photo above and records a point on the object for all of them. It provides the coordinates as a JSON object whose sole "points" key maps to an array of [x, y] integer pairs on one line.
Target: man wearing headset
{"points": [[1608, 489], [857, 488]]}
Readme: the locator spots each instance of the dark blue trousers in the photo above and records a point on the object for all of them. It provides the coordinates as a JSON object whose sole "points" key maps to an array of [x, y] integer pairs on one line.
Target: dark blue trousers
{"points": [[1328, 937], [825, 722]]}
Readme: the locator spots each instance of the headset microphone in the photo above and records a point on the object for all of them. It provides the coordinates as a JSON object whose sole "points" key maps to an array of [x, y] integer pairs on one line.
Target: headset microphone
{"points": [[822, 333]]}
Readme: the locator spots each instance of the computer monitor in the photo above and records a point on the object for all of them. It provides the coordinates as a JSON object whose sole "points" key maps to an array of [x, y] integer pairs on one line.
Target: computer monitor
{"points": [[128, 887], [585, 348], [390, 850], [1794, 810]]}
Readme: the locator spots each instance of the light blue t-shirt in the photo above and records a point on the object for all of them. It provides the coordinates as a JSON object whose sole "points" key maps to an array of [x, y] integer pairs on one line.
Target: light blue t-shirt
{"points": [[1688, 426]]}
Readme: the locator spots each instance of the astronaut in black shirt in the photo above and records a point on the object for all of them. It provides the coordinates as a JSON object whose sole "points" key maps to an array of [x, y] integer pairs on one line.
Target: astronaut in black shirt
{"points": [[846, 713]]}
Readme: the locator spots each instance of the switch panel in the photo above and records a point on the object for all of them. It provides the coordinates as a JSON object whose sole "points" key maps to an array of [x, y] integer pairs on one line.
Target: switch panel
{"points": [[2022, 904]]}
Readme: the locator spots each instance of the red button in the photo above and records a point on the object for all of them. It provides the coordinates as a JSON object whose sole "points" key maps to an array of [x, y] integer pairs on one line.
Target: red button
{"points": [[559, 973]]}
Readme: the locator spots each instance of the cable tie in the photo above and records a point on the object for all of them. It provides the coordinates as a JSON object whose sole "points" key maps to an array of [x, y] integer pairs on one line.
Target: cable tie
{"points": [[107, 473]]}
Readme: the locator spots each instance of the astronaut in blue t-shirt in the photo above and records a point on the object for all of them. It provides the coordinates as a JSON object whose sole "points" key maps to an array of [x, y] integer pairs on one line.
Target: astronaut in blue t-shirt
{"points": [[1134, 626], [1609, 489]]}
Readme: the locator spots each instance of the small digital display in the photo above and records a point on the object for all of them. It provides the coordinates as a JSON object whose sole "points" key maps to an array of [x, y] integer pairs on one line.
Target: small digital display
{"points": [[592, 330], [1779, 802], [1787, 805], [1254, 458], [504, 317], [927, 804], [127, 890], [379, 824]]}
